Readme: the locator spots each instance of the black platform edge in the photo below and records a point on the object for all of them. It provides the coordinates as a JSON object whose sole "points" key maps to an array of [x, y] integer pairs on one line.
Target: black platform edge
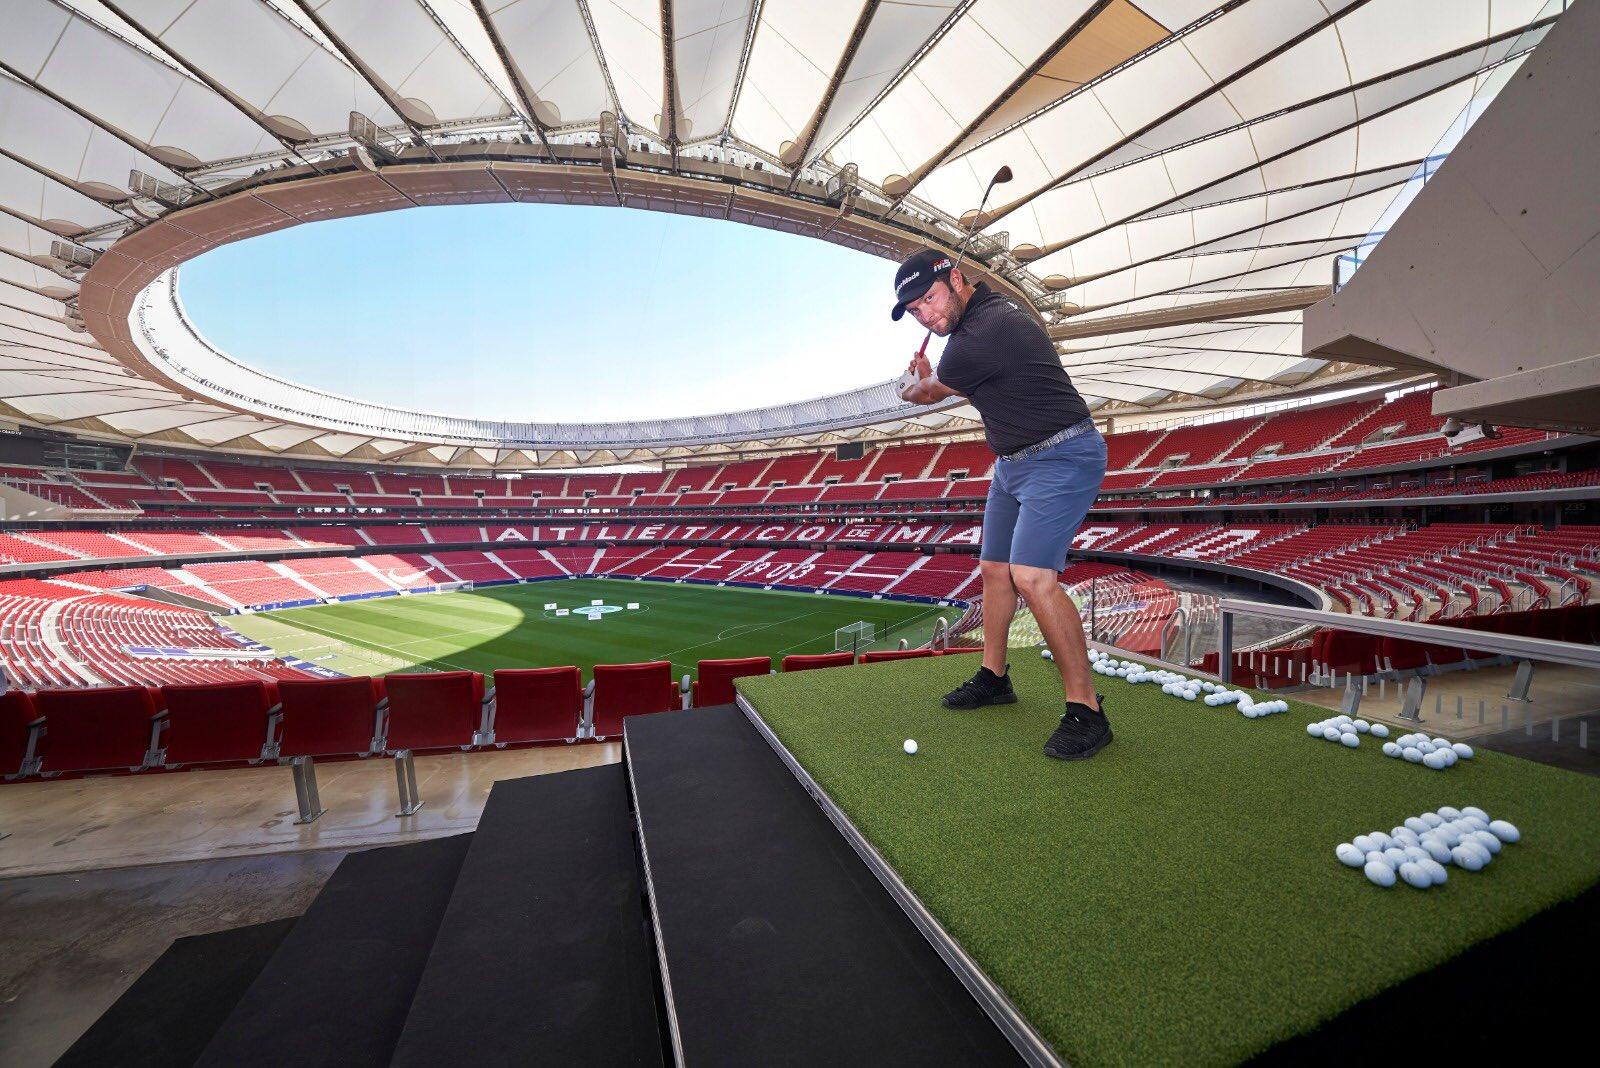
{"points": [[171, 1011], [339, 987], [542, 955], [911, 980], [1029, 1044], [663, 972]]}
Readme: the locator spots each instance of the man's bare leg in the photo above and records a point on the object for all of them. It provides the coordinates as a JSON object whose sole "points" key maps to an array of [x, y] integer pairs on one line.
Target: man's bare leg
{"points": [[1059, 623], [999, 606]]}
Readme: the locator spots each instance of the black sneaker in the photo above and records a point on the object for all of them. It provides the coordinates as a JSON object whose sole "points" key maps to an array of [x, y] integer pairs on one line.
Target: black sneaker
{"points": [[1083, 732], [984, 688]]}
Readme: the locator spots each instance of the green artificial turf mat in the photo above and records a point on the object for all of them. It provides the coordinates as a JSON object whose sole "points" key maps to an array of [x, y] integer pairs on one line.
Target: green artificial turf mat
{"points": [[1175, 898], [507, 626]]}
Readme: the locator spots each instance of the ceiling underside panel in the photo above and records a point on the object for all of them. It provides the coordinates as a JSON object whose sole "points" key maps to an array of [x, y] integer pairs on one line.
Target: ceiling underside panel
{"points": [[1168, 155]]}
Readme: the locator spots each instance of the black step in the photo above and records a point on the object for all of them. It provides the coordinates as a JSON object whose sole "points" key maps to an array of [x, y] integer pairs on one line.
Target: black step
{"points": [[780, 945], [543, 956], [171, 1011], [337, 990]]}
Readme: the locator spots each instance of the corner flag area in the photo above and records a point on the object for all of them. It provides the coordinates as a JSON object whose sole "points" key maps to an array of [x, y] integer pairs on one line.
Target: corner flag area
{"points": [[1177, 898]]}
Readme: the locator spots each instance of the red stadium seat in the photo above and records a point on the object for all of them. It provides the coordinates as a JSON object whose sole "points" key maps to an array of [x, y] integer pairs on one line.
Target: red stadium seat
{"points": [[19, 728], [98, 729], [715, 683], [623, 690], [435, 710], [330, 717], [812, 661], [537, 705], [894, 654], [214, 722]]}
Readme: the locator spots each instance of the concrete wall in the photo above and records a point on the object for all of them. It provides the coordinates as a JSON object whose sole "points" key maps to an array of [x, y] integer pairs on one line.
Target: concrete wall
{"points": [[18, 505], [1493, 272]]}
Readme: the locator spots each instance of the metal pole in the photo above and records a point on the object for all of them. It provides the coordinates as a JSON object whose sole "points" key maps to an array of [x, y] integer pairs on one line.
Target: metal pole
{"points": [[1225, 647], [1094, 601]]}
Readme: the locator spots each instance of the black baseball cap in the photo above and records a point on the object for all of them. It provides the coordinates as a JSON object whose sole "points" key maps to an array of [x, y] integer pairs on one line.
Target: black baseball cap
{"points": [[917, 272]]}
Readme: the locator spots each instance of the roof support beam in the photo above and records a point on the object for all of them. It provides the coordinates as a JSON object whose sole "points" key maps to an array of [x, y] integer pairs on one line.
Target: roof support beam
{"points": [[1195, 287], [239, 103], [514, 72], [901, 189], [1164, 390], [379, 86], [1120, 366], [1178, 253], [1211, 90], [1231, 308], [1029, 255], [795, 154], [98, 195], [150, 152], [934, 38], [600, 56], [669, 76], [744, 63]]}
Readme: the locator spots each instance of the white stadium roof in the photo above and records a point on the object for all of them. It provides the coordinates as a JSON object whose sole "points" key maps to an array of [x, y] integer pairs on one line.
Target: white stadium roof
{"points": [[1186, 174]]}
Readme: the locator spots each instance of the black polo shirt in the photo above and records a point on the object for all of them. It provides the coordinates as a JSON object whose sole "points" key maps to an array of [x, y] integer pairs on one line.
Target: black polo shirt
{"points": [[1000, 359]]}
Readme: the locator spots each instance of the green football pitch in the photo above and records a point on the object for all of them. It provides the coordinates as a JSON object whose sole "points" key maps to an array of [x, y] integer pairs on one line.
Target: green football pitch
{"points": [[1176, 899], [509, 626]]}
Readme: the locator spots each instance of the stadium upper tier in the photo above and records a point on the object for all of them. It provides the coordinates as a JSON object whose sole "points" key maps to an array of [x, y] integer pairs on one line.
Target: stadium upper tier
{"points": [[1186, 174], [1341, 440]]}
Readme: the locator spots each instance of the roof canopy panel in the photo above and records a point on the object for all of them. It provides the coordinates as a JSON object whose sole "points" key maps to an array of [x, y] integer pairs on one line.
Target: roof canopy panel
{"points": [[1186, 174]]}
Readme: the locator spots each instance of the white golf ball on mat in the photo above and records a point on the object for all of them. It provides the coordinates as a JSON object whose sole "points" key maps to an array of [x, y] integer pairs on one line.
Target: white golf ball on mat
{"points": [[910, 745]]}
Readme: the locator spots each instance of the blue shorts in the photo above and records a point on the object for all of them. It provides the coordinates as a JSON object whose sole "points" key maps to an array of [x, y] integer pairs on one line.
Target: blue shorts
{"points": [[1037, 504]]}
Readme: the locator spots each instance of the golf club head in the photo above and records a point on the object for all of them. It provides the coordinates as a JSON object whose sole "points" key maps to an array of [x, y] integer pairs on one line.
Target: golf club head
{"points": [[1001, 176]]}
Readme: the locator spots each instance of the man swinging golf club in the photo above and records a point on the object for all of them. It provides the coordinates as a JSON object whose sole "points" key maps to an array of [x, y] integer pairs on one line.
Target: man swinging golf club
{"points": [[1051, 462]]}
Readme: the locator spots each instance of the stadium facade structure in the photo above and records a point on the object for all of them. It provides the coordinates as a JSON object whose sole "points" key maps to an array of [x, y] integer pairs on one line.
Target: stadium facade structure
{"points": [[1187, 176]]}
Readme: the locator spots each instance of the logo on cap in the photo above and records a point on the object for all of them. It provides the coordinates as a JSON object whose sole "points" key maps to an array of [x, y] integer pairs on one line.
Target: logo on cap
{"points": [[906, 283]]}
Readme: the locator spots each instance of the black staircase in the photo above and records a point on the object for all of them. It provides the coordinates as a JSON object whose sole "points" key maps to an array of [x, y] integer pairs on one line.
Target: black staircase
{"points": [[724, 922]]}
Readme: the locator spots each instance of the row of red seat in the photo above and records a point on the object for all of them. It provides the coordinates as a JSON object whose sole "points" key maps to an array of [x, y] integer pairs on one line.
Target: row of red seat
{"points": [[109, 728]]}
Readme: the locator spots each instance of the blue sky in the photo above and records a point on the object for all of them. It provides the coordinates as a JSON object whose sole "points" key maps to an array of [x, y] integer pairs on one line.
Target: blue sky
{"points": [[550, 312]]}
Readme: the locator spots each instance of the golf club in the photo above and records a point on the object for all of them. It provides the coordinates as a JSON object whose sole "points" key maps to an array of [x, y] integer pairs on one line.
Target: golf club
{"points": [[1001, 177]]}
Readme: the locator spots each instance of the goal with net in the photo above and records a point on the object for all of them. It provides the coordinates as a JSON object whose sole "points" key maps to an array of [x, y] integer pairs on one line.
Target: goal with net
{"points": [[453, 587], [853, 636]]}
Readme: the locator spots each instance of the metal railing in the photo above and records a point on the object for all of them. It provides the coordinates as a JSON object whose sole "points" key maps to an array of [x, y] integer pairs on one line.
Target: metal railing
{"points": [[1508, 645]]}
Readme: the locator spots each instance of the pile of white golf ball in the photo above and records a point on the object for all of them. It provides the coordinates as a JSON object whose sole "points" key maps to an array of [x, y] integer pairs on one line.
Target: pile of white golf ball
{"points": [[1418, 850], [1347, 731], [1177, 685], [1435, 753]]}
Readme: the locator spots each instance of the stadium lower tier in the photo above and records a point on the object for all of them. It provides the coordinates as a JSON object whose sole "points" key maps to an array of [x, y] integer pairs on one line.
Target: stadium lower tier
{"points": [[79, 630], [90, 626]]}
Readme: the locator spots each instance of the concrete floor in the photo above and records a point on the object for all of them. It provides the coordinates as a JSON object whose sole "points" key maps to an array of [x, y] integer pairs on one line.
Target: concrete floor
{"points": [[100, 875], [121, 820], [70, 944], [1559, 692], [1554, 745]]}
